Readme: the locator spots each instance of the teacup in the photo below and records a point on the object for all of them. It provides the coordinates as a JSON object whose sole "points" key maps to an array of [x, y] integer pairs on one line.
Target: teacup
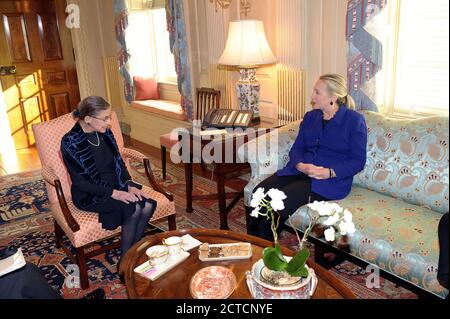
{"points": [[173, 244], [157, 255]]}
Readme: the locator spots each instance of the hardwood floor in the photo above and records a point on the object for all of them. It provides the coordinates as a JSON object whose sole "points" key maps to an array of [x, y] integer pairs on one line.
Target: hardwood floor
{"points": [[23, 160]]}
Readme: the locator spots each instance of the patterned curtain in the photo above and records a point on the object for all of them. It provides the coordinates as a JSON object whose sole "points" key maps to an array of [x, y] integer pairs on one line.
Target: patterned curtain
{"points": [[121, 24], [364, 55], [179, 47]]}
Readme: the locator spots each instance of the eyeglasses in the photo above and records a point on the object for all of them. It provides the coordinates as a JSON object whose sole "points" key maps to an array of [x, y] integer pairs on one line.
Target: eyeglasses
{"points": [[107, 118]]}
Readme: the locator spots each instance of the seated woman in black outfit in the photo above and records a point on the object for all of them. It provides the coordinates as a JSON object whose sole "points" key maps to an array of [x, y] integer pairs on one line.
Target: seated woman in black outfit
{"points": [[329, 150], [100, 180]]}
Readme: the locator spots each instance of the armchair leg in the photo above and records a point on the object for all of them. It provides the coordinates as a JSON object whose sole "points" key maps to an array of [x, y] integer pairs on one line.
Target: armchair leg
{"points": [[163, 161], [172, 222], [58, 234], [81, 259]]}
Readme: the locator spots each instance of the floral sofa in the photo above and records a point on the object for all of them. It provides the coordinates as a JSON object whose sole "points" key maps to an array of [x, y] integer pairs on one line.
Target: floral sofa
{"points": [[396, 201]]}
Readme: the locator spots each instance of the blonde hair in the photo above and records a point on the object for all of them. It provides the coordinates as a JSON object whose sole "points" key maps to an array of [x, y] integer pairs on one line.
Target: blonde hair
{"points": [[336, 85]]}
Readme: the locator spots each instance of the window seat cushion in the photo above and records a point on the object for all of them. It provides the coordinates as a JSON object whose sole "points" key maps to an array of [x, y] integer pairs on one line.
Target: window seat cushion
{"points": [[165, 108]]}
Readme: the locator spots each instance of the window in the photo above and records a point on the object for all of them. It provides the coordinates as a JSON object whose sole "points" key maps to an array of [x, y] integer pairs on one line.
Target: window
{"points": [[148, 44], [417, 58]]}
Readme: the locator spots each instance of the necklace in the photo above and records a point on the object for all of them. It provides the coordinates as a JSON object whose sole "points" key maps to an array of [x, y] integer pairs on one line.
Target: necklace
{"points": [[98, 140]]}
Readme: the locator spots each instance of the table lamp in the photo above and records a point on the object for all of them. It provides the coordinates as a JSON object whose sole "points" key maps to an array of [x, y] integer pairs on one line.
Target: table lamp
{"points": [[247, 48]]}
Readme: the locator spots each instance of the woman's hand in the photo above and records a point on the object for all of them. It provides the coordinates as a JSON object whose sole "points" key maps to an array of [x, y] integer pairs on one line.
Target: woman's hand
{"points": [[304, 168], [319, 172], [125, 197], [313, 171], [138, 192]]}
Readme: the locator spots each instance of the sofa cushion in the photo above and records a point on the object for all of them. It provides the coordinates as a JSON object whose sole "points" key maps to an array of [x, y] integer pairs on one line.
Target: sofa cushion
{"points": [[165, 108], [146, 88], [408, 159], [396, 236]]}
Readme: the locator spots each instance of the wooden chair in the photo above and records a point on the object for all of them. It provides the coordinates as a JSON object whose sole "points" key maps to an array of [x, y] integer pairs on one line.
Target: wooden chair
{"points": [[206, 99], [82, 227]]}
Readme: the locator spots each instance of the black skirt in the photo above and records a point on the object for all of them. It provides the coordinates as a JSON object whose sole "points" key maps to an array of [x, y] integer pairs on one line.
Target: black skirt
{"points": [[113, 213]]}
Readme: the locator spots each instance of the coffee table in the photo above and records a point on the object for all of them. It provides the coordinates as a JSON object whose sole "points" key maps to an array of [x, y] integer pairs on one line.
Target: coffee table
{"points": [[175, 283]]}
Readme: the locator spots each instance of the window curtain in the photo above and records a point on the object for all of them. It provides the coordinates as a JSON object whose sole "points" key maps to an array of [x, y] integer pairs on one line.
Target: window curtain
{"points": [[179, 48], [364, 52], [121, 24]]}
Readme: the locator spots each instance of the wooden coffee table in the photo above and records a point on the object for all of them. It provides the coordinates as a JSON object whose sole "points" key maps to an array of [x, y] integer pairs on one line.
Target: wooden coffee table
{"points": [[175, 283]]}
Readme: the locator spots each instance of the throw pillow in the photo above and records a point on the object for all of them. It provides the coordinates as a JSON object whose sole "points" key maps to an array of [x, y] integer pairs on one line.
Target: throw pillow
{"points": [[146, 88]]}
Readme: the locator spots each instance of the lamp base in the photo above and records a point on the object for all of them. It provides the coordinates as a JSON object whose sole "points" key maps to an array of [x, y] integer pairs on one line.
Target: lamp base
{"points": [[248, 90]]}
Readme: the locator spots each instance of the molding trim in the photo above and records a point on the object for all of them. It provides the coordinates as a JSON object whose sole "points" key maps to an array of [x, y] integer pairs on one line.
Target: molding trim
{"points": [[79, 39]]}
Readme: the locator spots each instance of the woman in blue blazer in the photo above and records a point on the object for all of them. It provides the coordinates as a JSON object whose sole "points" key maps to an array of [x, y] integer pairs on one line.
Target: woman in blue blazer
{"points": [[328, 151]]}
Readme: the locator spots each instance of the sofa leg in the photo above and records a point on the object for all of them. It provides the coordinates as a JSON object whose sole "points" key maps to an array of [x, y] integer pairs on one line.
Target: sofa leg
{"points": [[319, 257], [163, 161], [81, 259]]}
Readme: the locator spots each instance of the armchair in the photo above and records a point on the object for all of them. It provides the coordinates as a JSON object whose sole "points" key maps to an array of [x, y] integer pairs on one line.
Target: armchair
{"points": [[82, 227]]}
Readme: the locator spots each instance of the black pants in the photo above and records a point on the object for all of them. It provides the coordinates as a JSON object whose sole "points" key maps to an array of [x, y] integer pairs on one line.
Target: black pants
{"points": [[298, 191], [26, 283], [443, 267]]}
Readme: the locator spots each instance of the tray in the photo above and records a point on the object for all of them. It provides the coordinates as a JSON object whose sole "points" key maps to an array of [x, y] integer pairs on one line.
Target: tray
{"points": [[154, 272], [230, 251]]}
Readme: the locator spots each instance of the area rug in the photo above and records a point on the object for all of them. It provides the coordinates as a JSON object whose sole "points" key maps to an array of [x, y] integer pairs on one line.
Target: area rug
{"points": [[29, 224]]}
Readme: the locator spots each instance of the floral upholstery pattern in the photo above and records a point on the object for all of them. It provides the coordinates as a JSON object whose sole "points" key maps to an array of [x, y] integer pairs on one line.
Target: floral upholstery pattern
{"points": [[398, 237], [396, 201], [407, 159]]}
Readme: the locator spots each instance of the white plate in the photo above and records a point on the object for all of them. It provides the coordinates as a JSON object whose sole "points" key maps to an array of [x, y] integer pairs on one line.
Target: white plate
{"points": [[227, 257]]}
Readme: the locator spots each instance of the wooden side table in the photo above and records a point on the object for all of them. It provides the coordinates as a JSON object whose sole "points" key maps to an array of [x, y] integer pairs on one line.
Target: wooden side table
{"points": [[175, 283], [227, 166]]}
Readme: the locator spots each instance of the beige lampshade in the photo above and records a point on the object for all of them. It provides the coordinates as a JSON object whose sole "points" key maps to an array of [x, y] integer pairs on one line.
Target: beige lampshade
{"points": [[247, 45]]}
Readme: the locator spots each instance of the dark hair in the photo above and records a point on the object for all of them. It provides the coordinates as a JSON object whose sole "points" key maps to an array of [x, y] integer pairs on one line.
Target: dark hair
{"points": [[90, 106]]}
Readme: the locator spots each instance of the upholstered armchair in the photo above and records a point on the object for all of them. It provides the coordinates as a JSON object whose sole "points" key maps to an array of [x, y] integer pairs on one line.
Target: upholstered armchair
{"points": [[82, 227]]}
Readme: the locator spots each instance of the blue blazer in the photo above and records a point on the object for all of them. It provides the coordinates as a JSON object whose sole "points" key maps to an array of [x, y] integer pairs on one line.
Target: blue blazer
{"points": [[341, 145]]}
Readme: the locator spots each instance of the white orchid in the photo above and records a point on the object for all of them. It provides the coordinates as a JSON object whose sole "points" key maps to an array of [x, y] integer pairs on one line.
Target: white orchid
{"points": [[338, 221], [347, 216], [257, 197], [255, 212], [276, 194], [316, 205], [331, 220], [346, 227], [337, 218], [330, 234]]}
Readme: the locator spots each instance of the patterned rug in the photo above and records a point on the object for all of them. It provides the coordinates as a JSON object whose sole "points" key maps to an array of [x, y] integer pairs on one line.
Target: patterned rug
{"points": [[26, 222]]}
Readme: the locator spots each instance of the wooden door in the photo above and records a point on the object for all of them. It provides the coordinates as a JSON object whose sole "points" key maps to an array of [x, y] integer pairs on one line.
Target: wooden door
{"points": [[38, 73]]}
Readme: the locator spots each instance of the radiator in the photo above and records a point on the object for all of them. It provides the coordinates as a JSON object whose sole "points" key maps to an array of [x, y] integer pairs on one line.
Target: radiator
{"points": [[291, 94], [221, 80]]}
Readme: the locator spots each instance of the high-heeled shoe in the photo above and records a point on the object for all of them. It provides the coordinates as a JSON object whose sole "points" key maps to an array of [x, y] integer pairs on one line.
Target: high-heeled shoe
{"points": [[121, 274]]}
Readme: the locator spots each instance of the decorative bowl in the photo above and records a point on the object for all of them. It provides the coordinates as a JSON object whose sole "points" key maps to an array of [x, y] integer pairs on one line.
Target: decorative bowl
{"points": [[214, 282]]}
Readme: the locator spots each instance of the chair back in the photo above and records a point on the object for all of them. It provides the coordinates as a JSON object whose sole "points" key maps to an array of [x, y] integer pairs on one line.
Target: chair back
{"points": [[206, 99], [48, 137]]}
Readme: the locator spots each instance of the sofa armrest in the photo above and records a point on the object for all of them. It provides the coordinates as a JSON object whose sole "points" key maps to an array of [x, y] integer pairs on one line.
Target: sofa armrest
{"points": [[267, 153]]}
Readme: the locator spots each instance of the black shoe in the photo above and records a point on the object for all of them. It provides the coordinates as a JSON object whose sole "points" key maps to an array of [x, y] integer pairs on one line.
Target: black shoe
{"points": [[98, 293], [122, 278]]}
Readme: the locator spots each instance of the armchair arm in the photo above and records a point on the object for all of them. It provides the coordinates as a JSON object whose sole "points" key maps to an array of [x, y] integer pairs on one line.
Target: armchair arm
{"points": [[73, 224], [50, 177], [138, 156], [267, 153]]}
